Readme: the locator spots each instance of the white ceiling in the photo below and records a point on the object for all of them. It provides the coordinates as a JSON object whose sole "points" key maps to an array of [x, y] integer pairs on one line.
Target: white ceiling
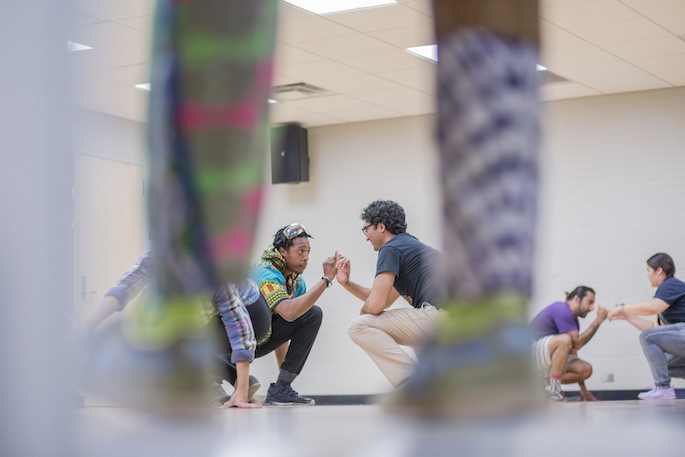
{"points": [[359, 57]]}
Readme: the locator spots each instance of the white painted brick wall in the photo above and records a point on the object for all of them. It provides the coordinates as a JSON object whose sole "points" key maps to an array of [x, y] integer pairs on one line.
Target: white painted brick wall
{"points": [[613, 194]]}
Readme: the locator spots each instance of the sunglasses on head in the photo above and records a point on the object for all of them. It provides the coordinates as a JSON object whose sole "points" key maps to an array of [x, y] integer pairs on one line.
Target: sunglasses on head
{"points": [[294, 230]]}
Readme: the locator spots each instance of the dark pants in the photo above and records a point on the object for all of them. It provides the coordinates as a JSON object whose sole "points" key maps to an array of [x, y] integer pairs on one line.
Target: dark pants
{"points": [[301, 333]]}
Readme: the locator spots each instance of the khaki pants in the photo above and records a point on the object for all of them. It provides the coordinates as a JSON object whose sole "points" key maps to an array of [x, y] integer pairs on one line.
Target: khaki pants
{"points": [[381, 336]]}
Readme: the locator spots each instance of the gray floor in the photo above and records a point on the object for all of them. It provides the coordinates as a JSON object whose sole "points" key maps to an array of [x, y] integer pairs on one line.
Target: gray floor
{"points": [[620, 428]]}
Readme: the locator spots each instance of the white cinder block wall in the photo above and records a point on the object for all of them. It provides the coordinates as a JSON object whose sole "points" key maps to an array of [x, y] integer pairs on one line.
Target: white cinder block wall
{"points": [[612, 195]]}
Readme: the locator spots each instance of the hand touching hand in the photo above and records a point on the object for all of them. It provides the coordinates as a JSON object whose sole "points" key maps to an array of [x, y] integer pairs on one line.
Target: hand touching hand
{"points": [[329, 268], [601, 313], [617, 313], [343, 266]]}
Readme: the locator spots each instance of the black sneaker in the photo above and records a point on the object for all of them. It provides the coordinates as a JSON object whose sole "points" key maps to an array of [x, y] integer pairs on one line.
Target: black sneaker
{"points": [[284, 395]]}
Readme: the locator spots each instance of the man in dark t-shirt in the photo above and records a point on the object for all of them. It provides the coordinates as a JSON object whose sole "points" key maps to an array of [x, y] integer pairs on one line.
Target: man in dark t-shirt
{"points": [[405, 267]]}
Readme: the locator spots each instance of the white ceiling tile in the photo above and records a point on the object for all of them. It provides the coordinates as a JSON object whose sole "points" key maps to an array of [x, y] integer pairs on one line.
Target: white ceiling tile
{"points": [[114, 10], [658, 7], [603, 77], [669, 68], [316, 71], [348, 46], [422, 6], [593, 12], [289, 55], [131, 75], [365, 114], [280, 80], [287, 11], [310, 28], [382, 18], [615, 32], [327, 104], [406, 37], [674, 23], [106, 34], [409, 102], [359, 83], [421, 79], [143, 23], [578, 57], [654, 47], [556, 40], [387, 61], [565, 89]]}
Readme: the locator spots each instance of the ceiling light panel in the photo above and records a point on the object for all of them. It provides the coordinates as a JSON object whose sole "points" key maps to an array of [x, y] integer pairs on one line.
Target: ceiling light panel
{"points": [[337, 6]]}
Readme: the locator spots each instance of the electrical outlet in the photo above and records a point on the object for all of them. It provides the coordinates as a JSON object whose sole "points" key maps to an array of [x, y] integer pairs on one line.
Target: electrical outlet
{"points": [[607, 377]]}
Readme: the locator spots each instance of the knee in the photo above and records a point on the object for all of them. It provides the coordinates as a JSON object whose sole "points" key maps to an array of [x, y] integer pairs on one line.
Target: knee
{"points": [[357, 328], [315, 315], [586, 371], [565, 343]]}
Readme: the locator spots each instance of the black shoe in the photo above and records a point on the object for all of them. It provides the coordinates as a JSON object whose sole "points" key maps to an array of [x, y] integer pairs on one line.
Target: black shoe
{"points": [[284, 395]]}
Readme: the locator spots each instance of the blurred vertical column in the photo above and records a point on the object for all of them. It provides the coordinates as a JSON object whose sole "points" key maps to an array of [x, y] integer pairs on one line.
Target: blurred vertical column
{"points": [[488, 131], [36, 239]]}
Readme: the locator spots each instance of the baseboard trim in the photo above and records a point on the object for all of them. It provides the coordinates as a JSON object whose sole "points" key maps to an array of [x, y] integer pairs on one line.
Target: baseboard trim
{"points": [[370, 399]]}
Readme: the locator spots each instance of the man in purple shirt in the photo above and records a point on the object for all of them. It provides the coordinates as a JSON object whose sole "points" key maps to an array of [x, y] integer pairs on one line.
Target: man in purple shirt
{"points": [[557, 339]]}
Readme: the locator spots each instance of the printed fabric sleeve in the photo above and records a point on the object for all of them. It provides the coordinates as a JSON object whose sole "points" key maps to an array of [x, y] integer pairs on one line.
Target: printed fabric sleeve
{"points": [[271, 284], [134, 280], [237, 323]]}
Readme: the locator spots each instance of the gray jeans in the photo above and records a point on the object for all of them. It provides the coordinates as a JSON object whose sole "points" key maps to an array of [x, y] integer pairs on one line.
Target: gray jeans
{"points": [[664, 347]]}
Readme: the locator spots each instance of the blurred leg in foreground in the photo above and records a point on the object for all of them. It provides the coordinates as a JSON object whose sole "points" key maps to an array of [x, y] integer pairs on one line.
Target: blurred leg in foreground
{"points": [[211, 76], [478, 362]]}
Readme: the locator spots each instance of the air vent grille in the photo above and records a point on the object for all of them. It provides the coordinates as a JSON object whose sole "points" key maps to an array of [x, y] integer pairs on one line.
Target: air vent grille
{"points": [[297, 91]]}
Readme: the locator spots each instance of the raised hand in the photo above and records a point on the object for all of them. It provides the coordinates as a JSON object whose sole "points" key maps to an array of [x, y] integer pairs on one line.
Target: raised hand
{"points": [[343, 265], [602, 313], [329, 267], [617, 313]]}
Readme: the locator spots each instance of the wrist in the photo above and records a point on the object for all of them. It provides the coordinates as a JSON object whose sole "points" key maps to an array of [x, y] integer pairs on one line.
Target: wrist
{"points": [[327, 280]]}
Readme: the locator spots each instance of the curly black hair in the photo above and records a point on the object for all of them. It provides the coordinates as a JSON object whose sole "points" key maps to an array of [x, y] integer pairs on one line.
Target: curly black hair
{"points": [[389, 213]]}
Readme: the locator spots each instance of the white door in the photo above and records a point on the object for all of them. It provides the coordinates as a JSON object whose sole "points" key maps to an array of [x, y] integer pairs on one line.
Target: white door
{"points": [[110, 226]]}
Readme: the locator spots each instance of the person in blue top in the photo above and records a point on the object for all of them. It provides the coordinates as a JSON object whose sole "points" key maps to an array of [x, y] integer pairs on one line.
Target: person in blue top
{"points": [[557, 339], [662, 340], [295, 319]]}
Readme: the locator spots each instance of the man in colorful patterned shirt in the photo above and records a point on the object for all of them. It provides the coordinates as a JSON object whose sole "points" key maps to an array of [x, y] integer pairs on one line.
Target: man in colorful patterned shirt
{"points": [[295, 317]]}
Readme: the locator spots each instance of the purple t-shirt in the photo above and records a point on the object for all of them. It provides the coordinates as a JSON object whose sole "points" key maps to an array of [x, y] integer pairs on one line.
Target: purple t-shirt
{"points": [[555, 319]]}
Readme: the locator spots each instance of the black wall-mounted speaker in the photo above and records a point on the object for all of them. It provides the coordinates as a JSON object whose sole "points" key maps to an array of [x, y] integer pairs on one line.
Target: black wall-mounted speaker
{"points": [[289, 154]]}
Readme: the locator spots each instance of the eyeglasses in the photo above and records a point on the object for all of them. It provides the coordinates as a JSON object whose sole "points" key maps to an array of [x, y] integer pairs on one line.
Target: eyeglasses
{"points": [[366, 229], [294, 230]]}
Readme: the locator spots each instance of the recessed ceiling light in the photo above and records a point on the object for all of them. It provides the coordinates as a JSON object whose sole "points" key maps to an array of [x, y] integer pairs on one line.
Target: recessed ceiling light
{"points": [[430, 52], [73, 46], [143, 86], [337, 6], [271, 100]]}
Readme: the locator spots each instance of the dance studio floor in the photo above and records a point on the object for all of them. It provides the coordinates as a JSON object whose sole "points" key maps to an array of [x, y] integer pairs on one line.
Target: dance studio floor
{"points": [[607, 429]]}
